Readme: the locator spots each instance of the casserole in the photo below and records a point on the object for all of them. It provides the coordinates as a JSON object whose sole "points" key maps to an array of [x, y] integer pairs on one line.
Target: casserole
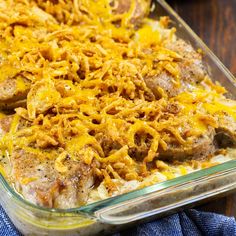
{"points": [[129, 207]]}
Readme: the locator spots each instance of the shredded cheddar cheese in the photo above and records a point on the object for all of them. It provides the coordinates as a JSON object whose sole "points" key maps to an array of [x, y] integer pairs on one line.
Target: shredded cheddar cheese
{"points": [[86, 64]]}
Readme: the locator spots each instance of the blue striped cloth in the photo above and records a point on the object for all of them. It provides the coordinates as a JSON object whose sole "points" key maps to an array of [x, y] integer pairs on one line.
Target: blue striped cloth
{"points": [[189, 222]]}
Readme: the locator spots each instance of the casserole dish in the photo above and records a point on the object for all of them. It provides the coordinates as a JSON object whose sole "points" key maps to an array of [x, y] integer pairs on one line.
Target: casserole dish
{"points": [[114, 213]]}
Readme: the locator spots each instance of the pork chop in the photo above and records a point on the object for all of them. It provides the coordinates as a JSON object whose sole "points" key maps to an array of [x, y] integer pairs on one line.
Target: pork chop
{"points": [[191, 66], [140, 11], [13, 92], [40, 181], [200, 147], [226, 132], [191, 69]]}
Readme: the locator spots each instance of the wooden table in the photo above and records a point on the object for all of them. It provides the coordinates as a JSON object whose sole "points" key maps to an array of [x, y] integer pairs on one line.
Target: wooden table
{"points": [[215, 22]]}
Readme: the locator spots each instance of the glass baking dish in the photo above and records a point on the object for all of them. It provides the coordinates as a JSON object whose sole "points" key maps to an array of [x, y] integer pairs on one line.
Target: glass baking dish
{"points": [[141, 205]]}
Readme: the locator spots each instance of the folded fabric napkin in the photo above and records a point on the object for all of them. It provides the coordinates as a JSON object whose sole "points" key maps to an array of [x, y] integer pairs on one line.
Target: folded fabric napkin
{"points": [[188, 222]]}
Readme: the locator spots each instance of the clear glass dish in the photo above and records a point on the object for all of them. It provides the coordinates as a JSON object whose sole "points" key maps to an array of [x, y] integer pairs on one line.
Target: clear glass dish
{"points": [[154, 201]]}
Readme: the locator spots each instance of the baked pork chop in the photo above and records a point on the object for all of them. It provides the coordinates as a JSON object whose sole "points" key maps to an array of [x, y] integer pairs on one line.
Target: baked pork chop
{"points": [[199, 148], [42, 184], [226, 132], [140, 11], [13, 92], [43, 180], [190, 65]]}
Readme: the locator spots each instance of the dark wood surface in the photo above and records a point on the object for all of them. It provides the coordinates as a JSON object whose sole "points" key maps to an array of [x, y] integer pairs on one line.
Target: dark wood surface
{"points": [[215, 22]]}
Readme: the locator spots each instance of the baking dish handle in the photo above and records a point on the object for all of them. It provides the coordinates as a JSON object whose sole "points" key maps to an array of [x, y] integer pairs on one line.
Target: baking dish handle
{"points": [[168, 200]]}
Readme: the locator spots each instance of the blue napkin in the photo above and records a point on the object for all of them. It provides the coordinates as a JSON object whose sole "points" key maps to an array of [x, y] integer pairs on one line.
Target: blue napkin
{"points": [[186, 223], [189, 222]]}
